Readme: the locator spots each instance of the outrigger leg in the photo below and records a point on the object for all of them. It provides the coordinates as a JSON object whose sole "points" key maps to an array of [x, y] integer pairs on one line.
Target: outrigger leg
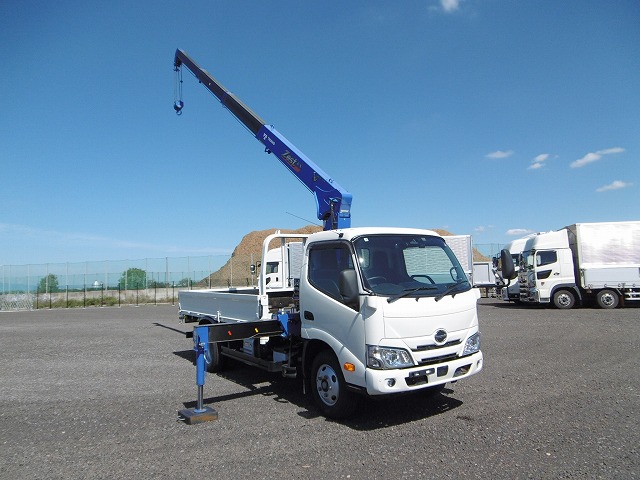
{"points": [[200, 414]]}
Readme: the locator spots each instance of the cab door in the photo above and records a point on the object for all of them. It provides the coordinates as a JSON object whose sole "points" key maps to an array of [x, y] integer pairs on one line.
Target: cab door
{"points": [[548, 271], [324, 312]]}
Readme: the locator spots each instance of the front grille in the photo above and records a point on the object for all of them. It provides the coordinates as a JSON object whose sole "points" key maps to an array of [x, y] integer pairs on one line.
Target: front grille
{"points": [[424, 348], [440, 359]]}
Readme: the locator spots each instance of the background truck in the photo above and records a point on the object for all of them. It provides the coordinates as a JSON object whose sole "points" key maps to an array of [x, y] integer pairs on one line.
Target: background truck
{"points": [[282, 265], [375, 311], [585, 263], [511, 292], [481, 274]]}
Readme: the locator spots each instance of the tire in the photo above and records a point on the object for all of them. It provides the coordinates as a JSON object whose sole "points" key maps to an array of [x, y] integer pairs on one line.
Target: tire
{"points": [[329, 389], [607, 299], [564, 299], [213, 360]]}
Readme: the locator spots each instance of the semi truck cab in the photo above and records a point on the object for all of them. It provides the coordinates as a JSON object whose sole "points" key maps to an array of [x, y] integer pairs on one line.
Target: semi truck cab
{"points": [[547, 268]]}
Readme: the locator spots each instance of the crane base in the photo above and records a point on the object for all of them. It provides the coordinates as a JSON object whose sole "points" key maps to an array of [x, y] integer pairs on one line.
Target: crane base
{"points": [[192, 416]]}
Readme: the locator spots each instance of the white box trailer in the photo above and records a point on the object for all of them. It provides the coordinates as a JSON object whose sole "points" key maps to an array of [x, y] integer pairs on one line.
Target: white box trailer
{"points": [[462, 246], [606, 254]]}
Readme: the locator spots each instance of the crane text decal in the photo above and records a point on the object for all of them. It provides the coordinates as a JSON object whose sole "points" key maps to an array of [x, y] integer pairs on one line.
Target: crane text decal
{"points": [[267, 138], [288, 157]]}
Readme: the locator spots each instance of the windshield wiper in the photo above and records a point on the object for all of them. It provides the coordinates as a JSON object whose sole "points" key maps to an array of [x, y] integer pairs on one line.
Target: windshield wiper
{"points": [[408, 291], [449, 290]]}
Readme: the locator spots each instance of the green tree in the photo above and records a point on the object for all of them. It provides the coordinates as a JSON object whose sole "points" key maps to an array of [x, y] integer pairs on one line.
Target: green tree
{"points": [[48, 284], [132, 279]]}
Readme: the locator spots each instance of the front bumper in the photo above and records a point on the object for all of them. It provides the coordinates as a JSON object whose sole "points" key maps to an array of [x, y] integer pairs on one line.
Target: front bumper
{"points": [[383, 382]]}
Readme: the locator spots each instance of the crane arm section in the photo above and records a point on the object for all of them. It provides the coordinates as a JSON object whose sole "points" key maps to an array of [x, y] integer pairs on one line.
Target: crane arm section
{"points": [[332, 201]]}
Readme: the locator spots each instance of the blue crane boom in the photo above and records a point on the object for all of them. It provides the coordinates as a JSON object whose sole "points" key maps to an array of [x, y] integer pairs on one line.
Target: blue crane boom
{"points": [[332, 201]]}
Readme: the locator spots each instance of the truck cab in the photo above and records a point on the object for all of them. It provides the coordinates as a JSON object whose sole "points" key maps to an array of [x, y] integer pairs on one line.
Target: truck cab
{"points": [[395, 308], [547, 271]]}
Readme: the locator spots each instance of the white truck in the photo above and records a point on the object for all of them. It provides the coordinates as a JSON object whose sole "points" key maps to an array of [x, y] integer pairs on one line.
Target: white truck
{"points": [[585, 263], [375, 311]]}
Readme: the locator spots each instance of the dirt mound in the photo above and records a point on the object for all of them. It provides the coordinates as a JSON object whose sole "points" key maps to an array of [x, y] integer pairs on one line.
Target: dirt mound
{"points": [[237, 270]]}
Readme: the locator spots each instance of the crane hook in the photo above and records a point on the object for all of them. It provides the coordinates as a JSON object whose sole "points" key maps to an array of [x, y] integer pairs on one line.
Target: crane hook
{"points": [[177, 106]]}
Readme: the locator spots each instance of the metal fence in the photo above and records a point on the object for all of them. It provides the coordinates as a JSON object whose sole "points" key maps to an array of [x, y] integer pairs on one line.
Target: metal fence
{"points": [[145, 281], [149, 280]]}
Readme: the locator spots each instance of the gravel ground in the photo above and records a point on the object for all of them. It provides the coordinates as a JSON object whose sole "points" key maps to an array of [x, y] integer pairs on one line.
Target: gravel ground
{"points": [[94, 393]]}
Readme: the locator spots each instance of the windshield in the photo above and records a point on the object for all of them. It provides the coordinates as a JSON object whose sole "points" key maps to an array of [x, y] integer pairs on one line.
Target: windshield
{"points": [[409, 265]]}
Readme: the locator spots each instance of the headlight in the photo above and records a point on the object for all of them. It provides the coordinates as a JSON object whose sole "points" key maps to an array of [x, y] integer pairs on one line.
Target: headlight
{"points": [[384, 358], [472, 345]]}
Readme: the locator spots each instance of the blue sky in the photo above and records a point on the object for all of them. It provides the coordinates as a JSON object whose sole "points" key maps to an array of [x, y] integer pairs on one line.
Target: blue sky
{"points": [[486, 117]]}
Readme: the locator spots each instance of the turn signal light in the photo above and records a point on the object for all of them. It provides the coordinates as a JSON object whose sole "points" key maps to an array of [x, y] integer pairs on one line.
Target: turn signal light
{"points": [[349, 367]]}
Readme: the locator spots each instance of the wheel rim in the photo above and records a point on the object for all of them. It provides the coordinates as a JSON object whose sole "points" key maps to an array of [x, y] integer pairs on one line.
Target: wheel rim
{"points": [[564, 300], [607, 299], [327, 385]]}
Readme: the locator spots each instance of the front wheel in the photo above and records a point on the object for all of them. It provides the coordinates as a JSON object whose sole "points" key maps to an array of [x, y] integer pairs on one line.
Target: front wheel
{"points": [[607, 299], [564, 299], [329, 388]]}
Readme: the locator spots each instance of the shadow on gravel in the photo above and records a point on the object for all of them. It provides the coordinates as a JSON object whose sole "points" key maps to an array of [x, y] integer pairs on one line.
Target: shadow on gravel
{"points": [[177, 330], [373, 414]]}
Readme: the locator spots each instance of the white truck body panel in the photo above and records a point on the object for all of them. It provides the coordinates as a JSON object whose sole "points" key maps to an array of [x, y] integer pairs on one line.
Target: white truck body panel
{"points": [[480, 274], [484, 274], [462, 246], [225, 305], [608, 254], [607, 277]]}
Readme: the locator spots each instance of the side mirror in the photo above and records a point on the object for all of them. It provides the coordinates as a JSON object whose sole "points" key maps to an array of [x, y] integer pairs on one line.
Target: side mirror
{"points": [[508, 271], [348, 285]]}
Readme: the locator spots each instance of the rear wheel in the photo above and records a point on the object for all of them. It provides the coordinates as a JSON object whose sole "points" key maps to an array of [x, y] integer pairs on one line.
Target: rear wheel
{"points": [[564, 299], [607, 299], [329, 388]]}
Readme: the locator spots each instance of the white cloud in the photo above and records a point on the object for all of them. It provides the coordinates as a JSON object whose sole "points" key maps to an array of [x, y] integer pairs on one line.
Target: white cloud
{"points": [[520, 232], [615, 185], [538, 161], [500, 154], [450, 5], [595, 156]]}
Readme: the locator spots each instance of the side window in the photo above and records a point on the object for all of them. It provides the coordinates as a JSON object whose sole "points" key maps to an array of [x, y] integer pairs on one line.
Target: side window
{"points": [[325, 264], [545, 258]]}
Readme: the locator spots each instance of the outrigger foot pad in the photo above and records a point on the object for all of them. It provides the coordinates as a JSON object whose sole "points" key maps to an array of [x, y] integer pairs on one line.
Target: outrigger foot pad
{"points": [[191, 416]]}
